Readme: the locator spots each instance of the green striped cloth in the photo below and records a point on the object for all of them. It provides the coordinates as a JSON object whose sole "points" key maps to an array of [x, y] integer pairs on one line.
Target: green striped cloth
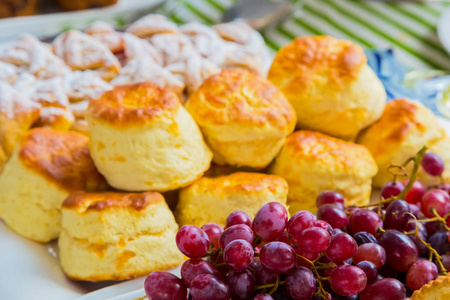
{"points": [[408, 28]]}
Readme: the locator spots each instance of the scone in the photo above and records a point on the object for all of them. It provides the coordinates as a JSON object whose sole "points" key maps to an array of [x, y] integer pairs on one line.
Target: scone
{"points": [[438, 289], [245, 119], [213, 199], [330, 85], [14, 8], [115, 236], [142, 138], [404, 128], [312, 162], [44, 169], [84, 4]]}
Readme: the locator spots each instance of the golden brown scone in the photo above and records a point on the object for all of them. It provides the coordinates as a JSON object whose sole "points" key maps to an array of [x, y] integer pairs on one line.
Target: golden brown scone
{"points": [[312, 162], [403, 129], [330, 85], [245, 119], [44, 169], [84, 4], [143, 139], [117, 236], [213, 199], [438, 289]]}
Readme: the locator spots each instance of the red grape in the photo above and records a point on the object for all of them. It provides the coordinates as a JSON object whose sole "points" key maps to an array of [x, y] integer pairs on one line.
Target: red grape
{"points": [[364, 238], [370, 269], [365, 220], [213, 231], [238, 217], [263, 297], [445, 187], [392, 188], [314, 240], [445, 259], [439, 242], [285, 237], [397, 215], [384, 289], [238, 254], [241, 284], [235, 232], [416, 192], [401, 252], [330, 197], [278, 257], [335, 216], [164, 286], [194, 267], [342, 247], [432, 164], [300, 221], [371, 252], [437, 199], [422, 250], [270, 221], [264, 276], [420, 273], [415, 210], [348, 280], [192, 241], [207, 287], [300, 283]]}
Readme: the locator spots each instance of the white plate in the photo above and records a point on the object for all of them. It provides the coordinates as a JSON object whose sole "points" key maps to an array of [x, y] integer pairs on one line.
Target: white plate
{"points": [[49, 25], [443, 29]]}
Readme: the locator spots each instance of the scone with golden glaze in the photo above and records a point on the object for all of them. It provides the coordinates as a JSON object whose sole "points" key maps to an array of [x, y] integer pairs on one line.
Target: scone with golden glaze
{"points": [[213, 199], [438, 289], [312, 162], [330, 85], [44, 169], [142, 138], [117, 236], [403, 129], [245, 119]]}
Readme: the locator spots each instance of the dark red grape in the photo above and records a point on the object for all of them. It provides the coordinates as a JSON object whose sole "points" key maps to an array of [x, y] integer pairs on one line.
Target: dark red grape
{"points": [[330, 197], [334, 215], [324, 225], [241, 284], [445, 187], [365, 220], [445, 259], [415, 194], [348, 280], [415, 210], [194, 267], [192, 241], [401, 252], [263, 297], [285, 237], [384, 289], [432, 164], [264, 276], [300, 221], [371, 252], [235, 232], [213, 231], [435, 199], [278, 257], [420, 273], [397, 215], [238, 254], [314, 240], [392, 188], [342, 247], [270, 221], [364, 238], [422, 250], [370, 269], [207, 287], [300, 283], [308, 255], [439, 242], [238, 217], [164, 286]]}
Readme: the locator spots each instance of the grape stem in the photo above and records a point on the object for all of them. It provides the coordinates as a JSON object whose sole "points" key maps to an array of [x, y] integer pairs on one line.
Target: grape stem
{"points": [[433, 252], [141, 298], [270, 285], [321, 291]]}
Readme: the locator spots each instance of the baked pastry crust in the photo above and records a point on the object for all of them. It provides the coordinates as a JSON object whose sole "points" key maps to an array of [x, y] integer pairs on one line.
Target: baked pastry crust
{"points": [[438, 289]]}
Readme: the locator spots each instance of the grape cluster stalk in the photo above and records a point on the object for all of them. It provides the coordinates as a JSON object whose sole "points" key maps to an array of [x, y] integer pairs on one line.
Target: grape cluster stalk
{"points": [[385, 250]]}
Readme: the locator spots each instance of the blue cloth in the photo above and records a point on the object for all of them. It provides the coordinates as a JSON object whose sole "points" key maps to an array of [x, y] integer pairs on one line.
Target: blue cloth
{"points": [[392, 75]]}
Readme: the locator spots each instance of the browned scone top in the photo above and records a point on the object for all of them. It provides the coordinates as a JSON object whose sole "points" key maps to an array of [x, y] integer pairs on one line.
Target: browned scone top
{"points": [[241, 97], [62, 157], [309, 59], [83, 202], [438, 289], [134, 104]]}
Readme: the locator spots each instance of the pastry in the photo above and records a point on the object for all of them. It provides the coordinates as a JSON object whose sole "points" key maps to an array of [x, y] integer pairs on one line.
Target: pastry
{"points": [[245, 119], [142, 138], [84, 85], [115, 236], [403, 129], [8, 72], [84, 4], [438, 289], [44, 169], [330, 85], [151, 25], [312, 162], [15, 8], [213, 199], [107, 35]]}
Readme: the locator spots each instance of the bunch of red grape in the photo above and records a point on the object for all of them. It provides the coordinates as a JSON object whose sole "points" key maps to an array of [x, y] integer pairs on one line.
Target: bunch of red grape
{"points": [[381, 252]]}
